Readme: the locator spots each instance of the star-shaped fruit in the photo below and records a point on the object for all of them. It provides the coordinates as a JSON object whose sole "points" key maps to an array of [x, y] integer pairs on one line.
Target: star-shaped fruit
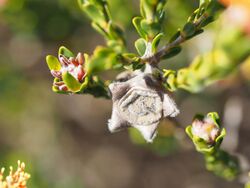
{"points": [[141, 102]]}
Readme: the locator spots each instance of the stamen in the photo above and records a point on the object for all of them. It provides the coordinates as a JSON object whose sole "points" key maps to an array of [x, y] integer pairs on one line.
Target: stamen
{"points": [[56, 74], [63, 60]]}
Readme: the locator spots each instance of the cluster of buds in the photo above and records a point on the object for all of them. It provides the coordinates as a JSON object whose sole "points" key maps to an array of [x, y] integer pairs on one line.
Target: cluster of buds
{"points": [[70, 72], [15, 179], [73, 66], [206, 133]]}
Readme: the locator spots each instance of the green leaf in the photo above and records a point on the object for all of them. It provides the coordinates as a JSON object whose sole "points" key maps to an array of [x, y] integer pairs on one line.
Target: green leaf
{"points": [[215, 117], [71, 82], [134, 66], [204, 2], [175, 36], [116, 46], [97, 88], [66, 52], [140, 46], [220, 138], [99, 29], [189, 29], [53, 63], [103, 59], [172, 52], [129, 55], [156, 41], [193, 15], [214, 7], [114, 31], [137, 24], [207, 21], [86, 64], [189, 131], [94, 13], [84, 85], [150, 27]]}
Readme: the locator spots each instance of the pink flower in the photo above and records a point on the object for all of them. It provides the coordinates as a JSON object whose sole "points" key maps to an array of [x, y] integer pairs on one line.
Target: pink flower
{"points": [[205, 129], [73, 66]]}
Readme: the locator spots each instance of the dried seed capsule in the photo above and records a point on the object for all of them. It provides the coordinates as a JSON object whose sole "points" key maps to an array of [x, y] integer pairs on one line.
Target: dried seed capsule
{"points": [[140, 101]]}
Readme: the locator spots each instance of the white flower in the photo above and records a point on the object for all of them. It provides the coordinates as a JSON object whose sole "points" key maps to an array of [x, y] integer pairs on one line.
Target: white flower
{"points": [[140, 101]]}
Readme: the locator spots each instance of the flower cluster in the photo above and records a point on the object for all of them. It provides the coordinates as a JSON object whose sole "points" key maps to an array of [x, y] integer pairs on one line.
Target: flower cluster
{"points": [[73, 66], [15, 179], [69, 71]]}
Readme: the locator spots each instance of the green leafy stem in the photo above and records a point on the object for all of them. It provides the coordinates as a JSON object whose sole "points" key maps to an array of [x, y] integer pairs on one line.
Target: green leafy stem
{"points": [[202, 16], [204, 70], [212, 66]]}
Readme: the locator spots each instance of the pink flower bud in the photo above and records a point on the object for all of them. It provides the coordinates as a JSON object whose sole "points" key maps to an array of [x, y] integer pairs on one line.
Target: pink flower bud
{"points": [[205, 129]]}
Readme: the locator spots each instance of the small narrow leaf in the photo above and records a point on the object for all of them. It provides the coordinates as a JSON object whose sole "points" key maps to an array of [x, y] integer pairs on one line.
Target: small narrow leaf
{"points": [[189, 131], [65, 51], [150, 27], [99, 29], [140, 46], [215, 117], [193, 15], [196, 33], [103, 59], [71, 82], [137, 24], [53, 63], [172, 52], [156, 41], [94, 13], [84, 84], [189, 29], [114, 31], [175, 36], [204, 2], [129, 55], [207, 21]]}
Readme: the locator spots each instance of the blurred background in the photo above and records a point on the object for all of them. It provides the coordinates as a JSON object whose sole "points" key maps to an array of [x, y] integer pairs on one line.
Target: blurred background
{"points": [[64, 140]]}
